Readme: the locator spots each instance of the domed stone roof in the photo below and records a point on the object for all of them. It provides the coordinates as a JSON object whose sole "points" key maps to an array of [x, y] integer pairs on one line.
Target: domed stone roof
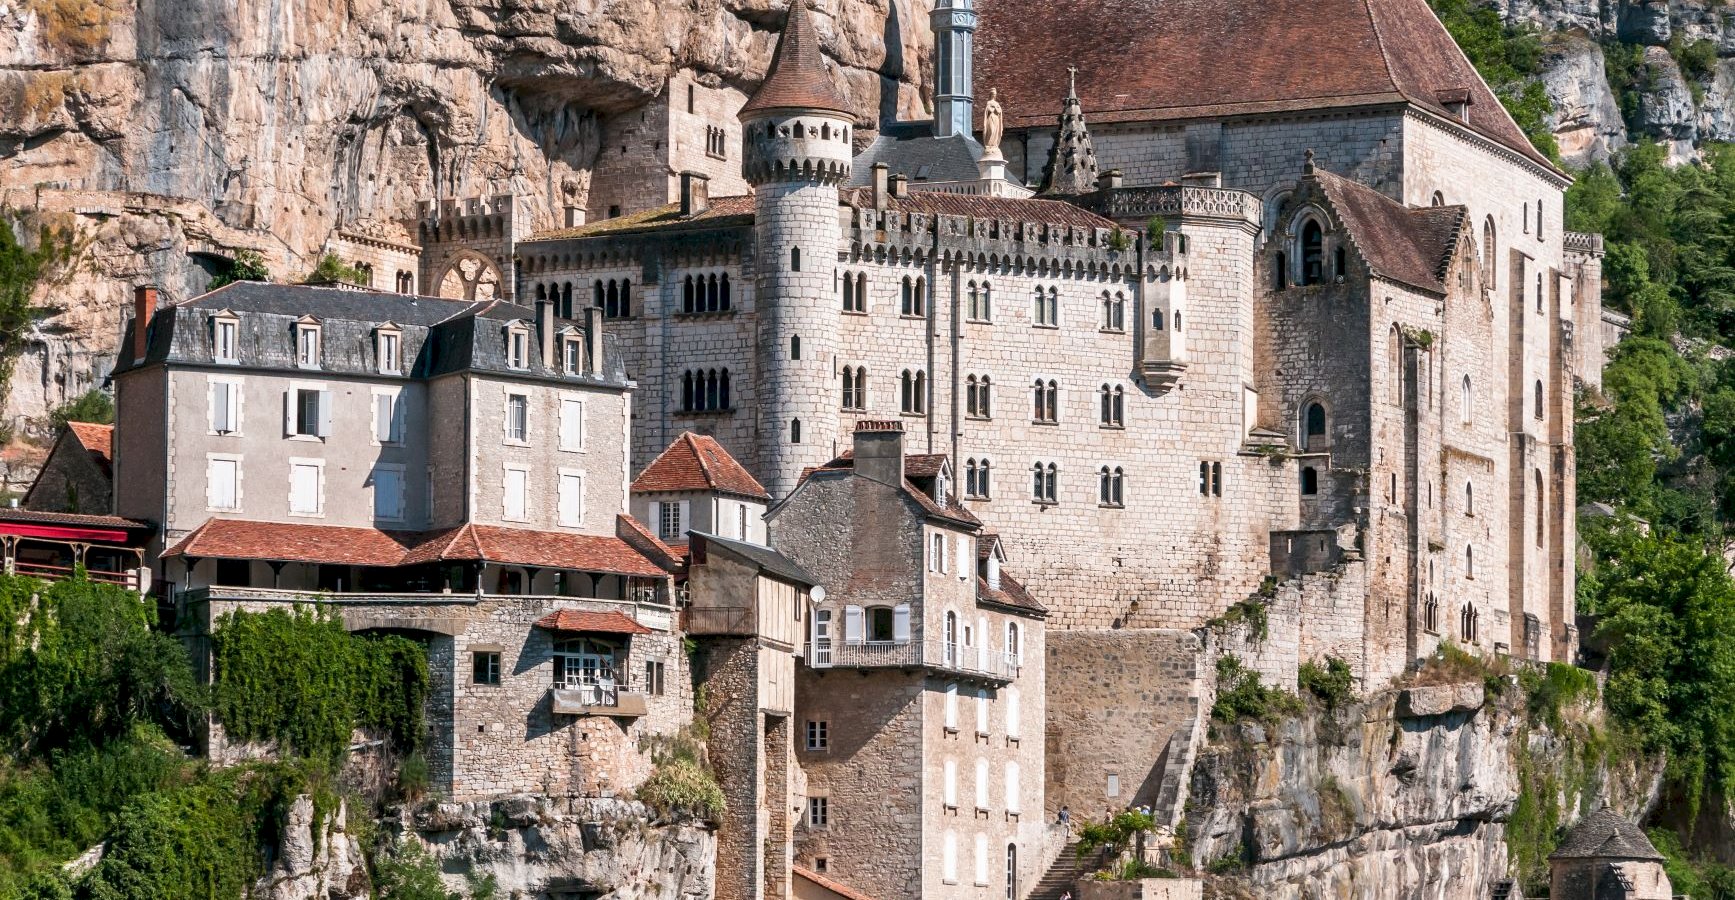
{"points": [[1605, 834], [798, 78]]}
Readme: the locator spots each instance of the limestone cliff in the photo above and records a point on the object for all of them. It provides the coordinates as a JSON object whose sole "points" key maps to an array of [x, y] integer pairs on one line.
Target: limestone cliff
{"points": [[174, 132], [1434, 792]]}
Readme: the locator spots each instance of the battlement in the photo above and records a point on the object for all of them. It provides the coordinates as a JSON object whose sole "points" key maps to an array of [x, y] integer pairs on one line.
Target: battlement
{"points": [[804, 146], [1008, 241], [470, 218]]}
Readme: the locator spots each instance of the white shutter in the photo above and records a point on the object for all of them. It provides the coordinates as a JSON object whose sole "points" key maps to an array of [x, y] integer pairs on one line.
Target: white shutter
{"points": [[949, 771], [383, 417], [949, 857], [220, 483], [220, 407], [952, 706], [571, 499], [981, 858], [964, 566], [303, 488], [1009, 703], [514, 489], [325, 414], [388, 494], [981, 710], [901, 623], [981, 784], [1012, 804], [981, 643], [852, 624], [289, 398], [571, 424]]}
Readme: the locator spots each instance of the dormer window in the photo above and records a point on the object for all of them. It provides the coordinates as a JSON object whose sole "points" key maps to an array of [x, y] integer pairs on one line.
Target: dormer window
{"points": [[307, 349], [389, 349], [571, 354], [517, 347], [226, 338]]}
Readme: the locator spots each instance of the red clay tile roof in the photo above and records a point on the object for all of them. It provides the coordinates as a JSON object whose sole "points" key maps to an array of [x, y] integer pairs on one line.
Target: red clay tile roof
{"points": [[696, 462], [337, 545], [1409, 246], [721, 212], [836, 887], [45, 517], [641, 539], [1150, 60], [284, 542], [98, 441], [1011, 593], [940, 203], [797, 78], [610, 622]]}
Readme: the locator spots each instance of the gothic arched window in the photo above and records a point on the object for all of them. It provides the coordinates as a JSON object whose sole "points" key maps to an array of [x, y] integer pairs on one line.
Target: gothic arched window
{"points": [[1312, 253], [1313, 427]]}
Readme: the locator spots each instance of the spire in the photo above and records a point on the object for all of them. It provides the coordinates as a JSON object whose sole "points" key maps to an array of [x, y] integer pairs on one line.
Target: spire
{"points": [[797, 78], [1071, 165]]}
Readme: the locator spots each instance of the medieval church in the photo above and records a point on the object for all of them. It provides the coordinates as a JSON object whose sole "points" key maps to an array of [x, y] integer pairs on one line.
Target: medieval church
{"points": [[1232, 298]]}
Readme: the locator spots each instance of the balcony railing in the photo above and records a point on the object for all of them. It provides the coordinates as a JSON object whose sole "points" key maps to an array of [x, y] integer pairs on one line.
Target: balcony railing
{"points": [[940, 656], [596, 692], [127, 579]]}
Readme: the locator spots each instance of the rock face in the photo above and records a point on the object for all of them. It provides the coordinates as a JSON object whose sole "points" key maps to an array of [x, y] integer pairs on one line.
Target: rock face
{"points": [[288, 120], [316, 860], [1587, 119], [1404, 795]]}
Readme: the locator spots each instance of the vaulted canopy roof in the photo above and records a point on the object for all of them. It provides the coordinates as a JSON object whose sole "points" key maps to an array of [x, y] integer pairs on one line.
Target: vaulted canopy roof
{"points": [[797, 78], [1148, 60]]}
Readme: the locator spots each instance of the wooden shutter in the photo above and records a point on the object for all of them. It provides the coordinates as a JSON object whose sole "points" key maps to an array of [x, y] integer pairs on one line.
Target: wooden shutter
{"points": [[852, 625], [324, 414], [901, 623]]}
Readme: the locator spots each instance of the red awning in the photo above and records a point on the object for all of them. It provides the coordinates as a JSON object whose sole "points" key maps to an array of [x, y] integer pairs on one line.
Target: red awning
{"points": [[64, 532], [580, 620]]}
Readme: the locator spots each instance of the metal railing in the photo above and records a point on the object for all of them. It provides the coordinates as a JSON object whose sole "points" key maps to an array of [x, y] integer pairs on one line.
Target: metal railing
{"points": [[942, 656]]}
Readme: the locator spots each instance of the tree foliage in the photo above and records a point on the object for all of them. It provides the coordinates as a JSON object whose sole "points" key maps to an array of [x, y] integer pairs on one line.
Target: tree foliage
{"points": [[247, 265], [1509, 58], [22, 268]]}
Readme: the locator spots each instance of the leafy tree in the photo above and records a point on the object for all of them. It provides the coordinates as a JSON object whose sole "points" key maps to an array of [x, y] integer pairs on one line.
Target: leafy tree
{"points": [[94, 405], [247, 265], [331, 270]]}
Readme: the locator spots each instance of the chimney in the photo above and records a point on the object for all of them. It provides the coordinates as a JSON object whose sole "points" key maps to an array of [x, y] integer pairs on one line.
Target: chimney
{"points": [[900, 186], [144, 305], [593, 340], [545, 331], [574, 216], [695, 193], [879, 451], [1109, 181], [880, 170]]}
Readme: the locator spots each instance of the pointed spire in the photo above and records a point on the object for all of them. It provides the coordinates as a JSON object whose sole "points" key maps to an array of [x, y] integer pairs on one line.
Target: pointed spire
{"points": [[797, 78], [1071, 165]]}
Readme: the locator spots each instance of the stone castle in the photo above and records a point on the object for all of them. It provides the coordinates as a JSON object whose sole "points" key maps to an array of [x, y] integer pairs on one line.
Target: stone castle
{"points": [[1295, 302]]}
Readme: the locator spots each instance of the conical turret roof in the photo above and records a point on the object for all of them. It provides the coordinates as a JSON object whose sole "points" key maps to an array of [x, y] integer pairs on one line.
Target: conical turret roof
{"points": [[1071, 165], [797, 78], [1605, 834]]}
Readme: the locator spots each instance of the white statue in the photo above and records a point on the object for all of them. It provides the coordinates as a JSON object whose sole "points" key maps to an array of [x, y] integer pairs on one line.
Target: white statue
{"points": [[993, 124]]}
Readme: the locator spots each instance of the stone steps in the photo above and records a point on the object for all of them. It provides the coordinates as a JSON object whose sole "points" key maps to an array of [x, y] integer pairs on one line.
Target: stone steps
{"points": [[1060, 877]]}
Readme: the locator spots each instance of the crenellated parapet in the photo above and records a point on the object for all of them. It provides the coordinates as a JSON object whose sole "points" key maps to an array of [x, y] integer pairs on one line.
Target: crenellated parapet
{"points": [[473, 218], [1175, 200], [806, 145]]}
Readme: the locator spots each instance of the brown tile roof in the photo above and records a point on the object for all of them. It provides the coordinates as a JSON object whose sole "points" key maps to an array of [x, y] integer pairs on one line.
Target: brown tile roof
{"points": [[797, 78], [940, 203], [338, 545], [1148, 60], [697, 462], [641, 539], [43, 517], [98, 441], [721, 212], [1011, 593], [1411, 246], [326, 544], [584, 620], [832, 885]]}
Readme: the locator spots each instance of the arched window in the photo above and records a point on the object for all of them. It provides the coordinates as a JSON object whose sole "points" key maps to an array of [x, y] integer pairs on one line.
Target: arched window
{"points": [[597, 298], [795, 346], [1467, 624], [723, 280], [848, 292], [861, 292], [1313, 428], [1464, 403], [1538, 412], [1280, 271], [1114, 311], [795, 431], [1541, 511], [1438, 200], [688, 398], [1526, 218], [1539, 219], [1044, 487], [951, 637], [713, 299], [1309, 481], [794, 259], [1469, 498], [1045, 402], [978, 399], [914, 392], [1395, 362], [976, 479], [625, 308], [1431, 614], [854, 388], [909, 305], [689, 303], [705, 391], [1469, 561], [1312, 253], [1113, 401], [1177, 320], [1156, 320], [1111, 491], [918, 305], [1539, 292]]}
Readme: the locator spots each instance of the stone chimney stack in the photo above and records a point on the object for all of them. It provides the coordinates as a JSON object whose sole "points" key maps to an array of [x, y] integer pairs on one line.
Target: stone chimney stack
{"points": [[144, 306], [593, 340], [879, 451], [545, 332], [574, 216], [695, 193], [1109, 181], [880, 171], [900, 186]]}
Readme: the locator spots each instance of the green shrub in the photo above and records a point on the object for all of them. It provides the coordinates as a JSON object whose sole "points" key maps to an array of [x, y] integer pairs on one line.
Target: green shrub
{"points": [[1229, 863], [1555, 687], [94, 405], [331, 270], [681, 784], [247, 265], [1113, 835], [1333, 684], [1241, 695], [409, 872]]}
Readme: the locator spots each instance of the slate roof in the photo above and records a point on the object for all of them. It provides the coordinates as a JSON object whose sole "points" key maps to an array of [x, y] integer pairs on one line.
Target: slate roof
{"points": [[696, 462], [765, 558], [910, 148], [591, 622], [1017, 209], [439, 336], [797, 78], [1408, 245], [98, 441], [1154, 60], [950, 509], [339, 545], [720, 212], [1605, 834]]}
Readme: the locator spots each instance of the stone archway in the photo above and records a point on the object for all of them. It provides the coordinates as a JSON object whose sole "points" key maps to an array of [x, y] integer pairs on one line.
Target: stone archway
{"points": [[470, 276]]}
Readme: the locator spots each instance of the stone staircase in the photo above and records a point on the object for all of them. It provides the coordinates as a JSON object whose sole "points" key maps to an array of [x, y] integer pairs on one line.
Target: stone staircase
{"points": [[1060, 877]]}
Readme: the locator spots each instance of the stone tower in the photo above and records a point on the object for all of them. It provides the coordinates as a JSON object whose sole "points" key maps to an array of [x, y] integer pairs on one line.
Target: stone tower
{"points": [[1072, 162], [954, 23], [796, 137]]}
